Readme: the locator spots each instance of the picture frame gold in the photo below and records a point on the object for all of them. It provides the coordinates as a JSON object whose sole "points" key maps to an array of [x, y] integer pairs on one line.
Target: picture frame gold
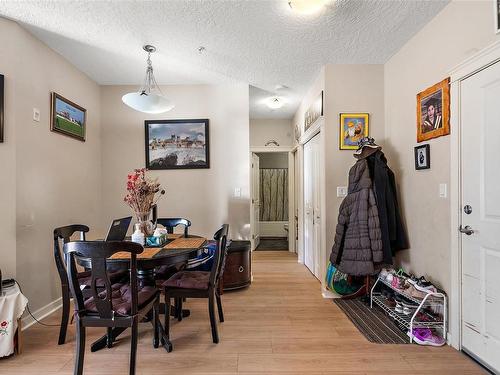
{"points": [[433, 111], [352, 127], [67, 117]]}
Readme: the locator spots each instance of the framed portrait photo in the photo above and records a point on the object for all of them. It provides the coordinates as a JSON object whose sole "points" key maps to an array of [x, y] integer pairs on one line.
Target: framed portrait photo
{"points": [[177, 144], [67, 118], [353, 127], [422, 157], [433, 111]]}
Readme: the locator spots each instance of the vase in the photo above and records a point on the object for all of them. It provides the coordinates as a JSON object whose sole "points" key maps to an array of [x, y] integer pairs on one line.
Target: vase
{"points": [[147, 226]]}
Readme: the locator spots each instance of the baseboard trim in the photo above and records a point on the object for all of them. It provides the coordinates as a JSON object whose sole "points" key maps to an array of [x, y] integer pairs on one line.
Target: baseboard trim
{"points": [[41, 313]]}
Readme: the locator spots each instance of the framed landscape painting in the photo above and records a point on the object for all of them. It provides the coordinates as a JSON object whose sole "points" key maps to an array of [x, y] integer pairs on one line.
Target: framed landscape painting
{"points": [[433, 111], [353, 127], [67, 117], [177, 144]]}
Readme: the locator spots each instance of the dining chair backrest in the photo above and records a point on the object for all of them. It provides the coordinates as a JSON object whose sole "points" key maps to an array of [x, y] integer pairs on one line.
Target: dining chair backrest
{"points": [[220, 255], [172, 222], [98, 252], [65, 233]]}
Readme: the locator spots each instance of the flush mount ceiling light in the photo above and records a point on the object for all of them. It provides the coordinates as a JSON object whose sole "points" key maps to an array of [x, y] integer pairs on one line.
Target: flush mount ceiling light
{"points": [[307, 6], [149, 99], [275, 102]]}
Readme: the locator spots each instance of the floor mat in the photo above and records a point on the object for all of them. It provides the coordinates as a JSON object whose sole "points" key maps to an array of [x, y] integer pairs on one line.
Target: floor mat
{"points": [[372, 323], [273, 244]]}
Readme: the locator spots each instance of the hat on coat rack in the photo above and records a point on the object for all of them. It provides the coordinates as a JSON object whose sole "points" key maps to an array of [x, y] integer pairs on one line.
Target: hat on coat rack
{"points": [[368, 144]]}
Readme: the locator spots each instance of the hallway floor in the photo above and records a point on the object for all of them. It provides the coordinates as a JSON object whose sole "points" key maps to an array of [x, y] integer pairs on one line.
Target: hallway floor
{"points": [[281, 325]]}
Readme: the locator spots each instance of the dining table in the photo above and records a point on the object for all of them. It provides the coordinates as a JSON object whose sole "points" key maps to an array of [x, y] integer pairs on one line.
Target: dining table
{"points": [[176, 251]]}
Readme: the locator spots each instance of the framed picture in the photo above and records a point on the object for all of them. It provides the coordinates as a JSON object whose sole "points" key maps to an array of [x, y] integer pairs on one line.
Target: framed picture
{"points": [[496, 4], [353, 127], [433, 111], [314, 112], [67, 117], [1, 107], [422, 157], [177, 144]]}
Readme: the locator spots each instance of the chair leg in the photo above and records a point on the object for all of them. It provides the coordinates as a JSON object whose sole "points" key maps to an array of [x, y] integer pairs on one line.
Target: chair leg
{"points": [[219, 307], [65, 315], [109, 335], [156, 326], [179, 312], [80, 347], [166, 324], [213, 322], [133, 346]]}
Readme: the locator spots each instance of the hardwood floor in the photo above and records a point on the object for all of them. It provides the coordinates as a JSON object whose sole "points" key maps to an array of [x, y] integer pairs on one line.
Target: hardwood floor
{"points": [[281, 324]]}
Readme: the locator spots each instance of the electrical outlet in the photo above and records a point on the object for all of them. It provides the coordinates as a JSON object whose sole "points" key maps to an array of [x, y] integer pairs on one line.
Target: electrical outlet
{"points": [[237, 192], [36, 114], [341, 191]]}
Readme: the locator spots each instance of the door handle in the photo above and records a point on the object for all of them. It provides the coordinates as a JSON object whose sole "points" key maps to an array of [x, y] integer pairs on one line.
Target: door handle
{"points": [[467, 230]]}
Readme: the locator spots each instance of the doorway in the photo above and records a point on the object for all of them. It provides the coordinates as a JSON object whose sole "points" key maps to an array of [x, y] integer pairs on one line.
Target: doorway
{"points": [[272, 178], [480, 215]]}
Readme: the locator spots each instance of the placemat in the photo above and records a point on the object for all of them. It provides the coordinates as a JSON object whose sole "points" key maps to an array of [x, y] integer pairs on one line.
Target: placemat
{"points": [[148, 253], [186, 243]]}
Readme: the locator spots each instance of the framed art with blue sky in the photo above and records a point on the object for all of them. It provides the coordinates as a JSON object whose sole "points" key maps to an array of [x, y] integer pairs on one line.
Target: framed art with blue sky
{"points": [[353, 127], [67, 118]]}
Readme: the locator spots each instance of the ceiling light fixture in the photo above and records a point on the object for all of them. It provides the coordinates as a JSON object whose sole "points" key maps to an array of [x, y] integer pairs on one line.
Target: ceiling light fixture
{"points": [[275, 102], [149, 99], [307, 6]]}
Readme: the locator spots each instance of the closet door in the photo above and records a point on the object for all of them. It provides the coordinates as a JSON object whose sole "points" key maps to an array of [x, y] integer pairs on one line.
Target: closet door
{"points": [[255, 227], [480, 117]]}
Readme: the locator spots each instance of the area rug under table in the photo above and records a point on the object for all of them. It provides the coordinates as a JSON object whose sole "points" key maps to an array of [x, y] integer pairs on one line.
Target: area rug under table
{"points": [[372, 323]]}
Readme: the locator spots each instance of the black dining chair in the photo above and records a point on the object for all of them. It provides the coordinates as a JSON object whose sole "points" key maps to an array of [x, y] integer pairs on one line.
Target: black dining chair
{"points": [[172, 222], [117, 305], [65, 234], [200, 284]]}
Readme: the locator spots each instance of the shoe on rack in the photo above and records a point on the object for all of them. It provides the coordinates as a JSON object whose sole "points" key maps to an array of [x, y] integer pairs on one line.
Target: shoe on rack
{"points": [[424, 336], [425, 286], [409, 308], [413, 292], [399, 305]]}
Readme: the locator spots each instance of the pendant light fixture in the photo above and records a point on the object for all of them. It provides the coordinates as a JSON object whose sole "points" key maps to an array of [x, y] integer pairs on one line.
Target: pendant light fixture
{"points": [[149, 99]]}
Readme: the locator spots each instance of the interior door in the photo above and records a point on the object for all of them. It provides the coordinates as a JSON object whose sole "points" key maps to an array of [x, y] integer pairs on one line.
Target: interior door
{"points": [[480, 118], [255, 201], [311, 205]]}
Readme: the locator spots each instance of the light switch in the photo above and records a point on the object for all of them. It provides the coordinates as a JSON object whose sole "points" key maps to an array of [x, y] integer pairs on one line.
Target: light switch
{"points": [[443, 190], [237, 192], [341, 191], [36, 114]]}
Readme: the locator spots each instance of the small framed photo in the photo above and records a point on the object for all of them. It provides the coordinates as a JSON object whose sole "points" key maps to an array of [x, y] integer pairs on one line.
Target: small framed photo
{"points": [[1, 106], [177, 144], [67, 118], [422, 157], [353, 127], [496, 4], [433, 111]]}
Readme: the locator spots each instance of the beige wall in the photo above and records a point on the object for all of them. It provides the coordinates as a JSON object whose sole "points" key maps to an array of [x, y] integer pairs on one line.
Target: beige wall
{"points": [[51, 179], [459, 30], [205, 196], [263, 130]]}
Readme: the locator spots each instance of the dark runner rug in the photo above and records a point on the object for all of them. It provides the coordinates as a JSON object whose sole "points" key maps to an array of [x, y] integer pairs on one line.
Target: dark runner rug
{"points": [[273, 244], [372, 323]]}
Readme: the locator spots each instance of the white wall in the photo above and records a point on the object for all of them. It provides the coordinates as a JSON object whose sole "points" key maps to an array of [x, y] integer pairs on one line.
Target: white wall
{"points": [[273, 159], [51, 180], [204, 196], [264, 130]]}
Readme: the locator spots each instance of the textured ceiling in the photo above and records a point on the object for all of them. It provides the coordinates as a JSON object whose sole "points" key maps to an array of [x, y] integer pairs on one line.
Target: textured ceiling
{"points": [[262, 43]]}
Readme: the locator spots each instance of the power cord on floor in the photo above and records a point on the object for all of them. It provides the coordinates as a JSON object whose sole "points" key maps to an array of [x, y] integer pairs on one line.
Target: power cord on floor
{"points": [[29, 311]]}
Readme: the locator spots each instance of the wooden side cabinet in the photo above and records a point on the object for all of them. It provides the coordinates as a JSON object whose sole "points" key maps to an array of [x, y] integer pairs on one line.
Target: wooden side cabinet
{"points": [[238, 270]]}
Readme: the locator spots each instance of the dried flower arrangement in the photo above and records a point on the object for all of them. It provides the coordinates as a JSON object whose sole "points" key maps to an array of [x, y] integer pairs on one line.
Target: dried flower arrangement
{"points": [[142, 193]]}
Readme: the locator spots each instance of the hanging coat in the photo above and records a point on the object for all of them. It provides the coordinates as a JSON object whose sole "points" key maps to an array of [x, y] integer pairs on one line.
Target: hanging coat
{"points": [[358, 244], [384, 185]]}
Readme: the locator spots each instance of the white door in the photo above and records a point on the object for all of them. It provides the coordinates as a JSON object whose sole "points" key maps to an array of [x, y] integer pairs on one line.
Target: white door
{"points": [[255, 201], [480, 118], [311, 205]]}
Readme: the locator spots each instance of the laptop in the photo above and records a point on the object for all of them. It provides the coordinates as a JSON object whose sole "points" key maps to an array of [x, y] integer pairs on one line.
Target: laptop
{"points": [[118, 229]]}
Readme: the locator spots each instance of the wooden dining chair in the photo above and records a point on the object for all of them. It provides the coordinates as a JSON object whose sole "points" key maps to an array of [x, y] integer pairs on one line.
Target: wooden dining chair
{"points": [[65, 234], [200, 284], [117, 305], [171, 223]]}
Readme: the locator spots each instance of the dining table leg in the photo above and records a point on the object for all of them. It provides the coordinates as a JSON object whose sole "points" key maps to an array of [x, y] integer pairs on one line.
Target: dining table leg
{"points": [[103, 341]]}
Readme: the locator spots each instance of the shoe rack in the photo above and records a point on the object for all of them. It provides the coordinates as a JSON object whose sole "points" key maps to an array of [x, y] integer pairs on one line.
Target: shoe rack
{"points": [[433, 301]]}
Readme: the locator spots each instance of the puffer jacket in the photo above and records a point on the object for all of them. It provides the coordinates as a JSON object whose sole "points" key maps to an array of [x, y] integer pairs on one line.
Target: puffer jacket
{"points": [[358, 239]]}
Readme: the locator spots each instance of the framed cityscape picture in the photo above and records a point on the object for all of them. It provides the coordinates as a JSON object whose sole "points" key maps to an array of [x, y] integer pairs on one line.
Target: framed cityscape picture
{"points": [[433, 111], [67, 118], [353, 127], [177, 144]]}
